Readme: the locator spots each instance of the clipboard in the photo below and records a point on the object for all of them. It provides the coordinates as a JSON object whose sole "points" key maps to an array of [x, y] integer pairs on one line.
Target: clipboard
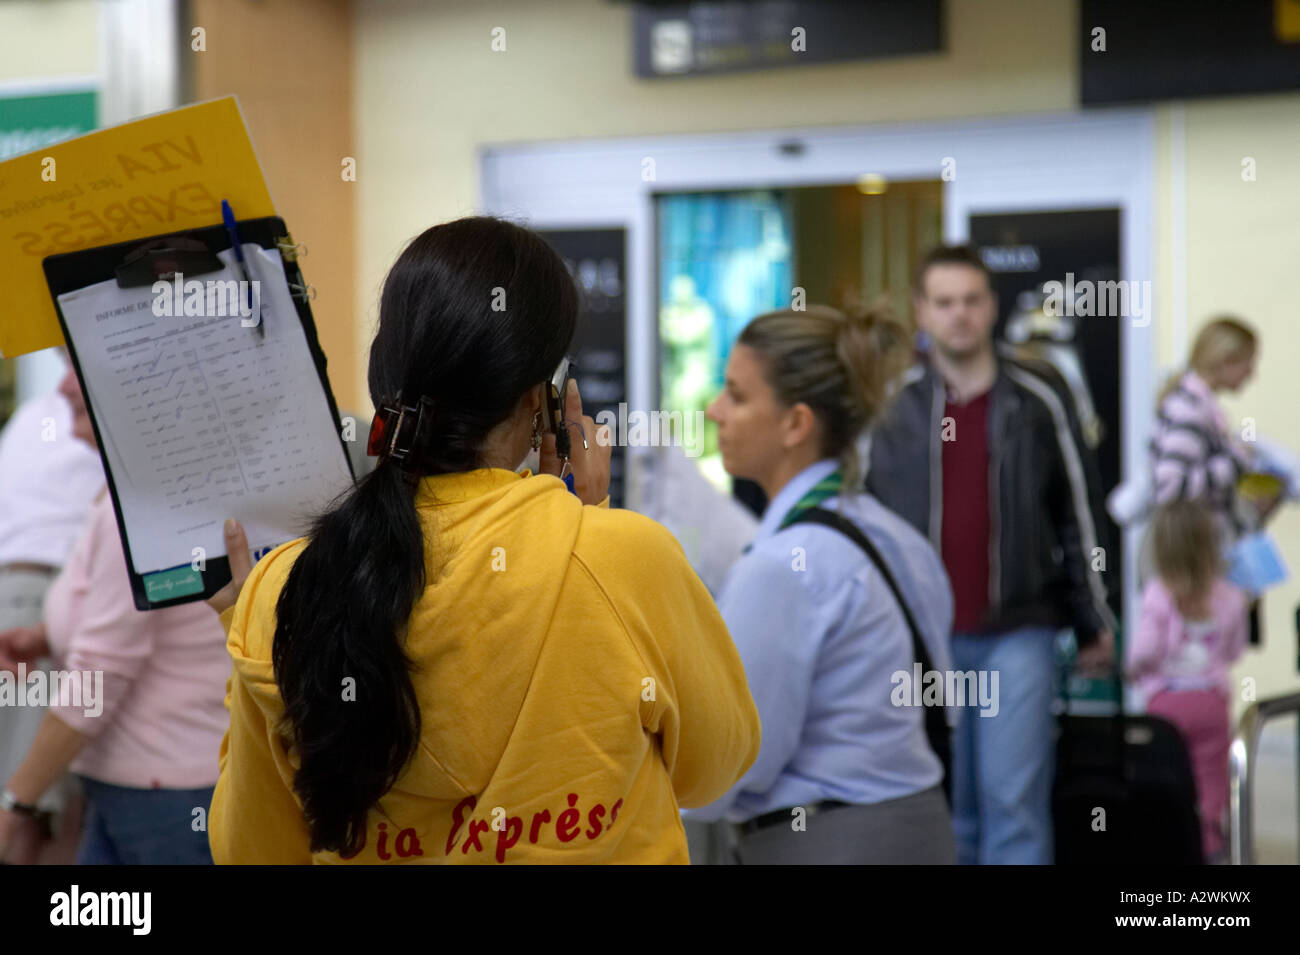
{"points": [[158, 258]]}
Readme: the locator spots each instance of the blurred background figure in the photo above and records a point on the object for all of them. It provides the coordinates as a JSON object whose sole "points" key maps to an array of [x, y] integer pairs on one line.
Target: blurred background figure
{"points": [[1196, 455], [48, 478], [983, 453], [1191, 630], [687, 327], [146, 749], [1035, 333], [714, 528]]}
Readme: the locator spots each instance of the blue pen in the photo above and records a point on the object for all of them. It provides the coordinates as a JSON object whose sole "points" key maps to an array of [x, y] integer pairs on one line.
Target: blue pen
{"points": [[228, 216]]}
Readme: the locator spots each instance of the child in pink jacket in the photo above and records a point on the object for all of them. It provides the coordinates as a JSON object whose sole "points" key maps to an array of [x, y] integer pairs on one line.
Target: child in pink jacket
{"points": [[1192, 627]]}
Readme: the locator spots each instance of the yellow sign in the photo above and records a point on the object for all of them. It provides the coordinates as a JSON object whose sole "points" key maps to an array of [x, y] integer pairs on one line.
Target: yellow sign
{"points": [[1286, 20], [164, 173]]}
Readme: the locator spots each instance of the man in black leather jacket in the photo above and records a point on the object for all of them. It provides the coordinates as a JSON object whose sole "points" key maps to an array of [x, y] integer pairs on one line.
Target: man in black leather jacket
{"points": [[982, 453]]}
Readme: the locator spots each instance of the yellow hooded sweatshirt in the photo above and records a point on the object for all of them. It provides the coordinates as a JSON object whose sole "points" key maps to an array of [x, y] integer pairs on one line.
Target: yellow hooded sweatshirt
{"points": [[577, 686]]}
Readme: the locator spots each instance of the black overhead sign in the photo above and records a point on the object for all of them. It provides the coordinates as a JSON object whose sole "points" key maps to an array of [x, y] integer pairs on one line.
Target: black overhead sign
{"points": [[1158, 49], [691, 38]]}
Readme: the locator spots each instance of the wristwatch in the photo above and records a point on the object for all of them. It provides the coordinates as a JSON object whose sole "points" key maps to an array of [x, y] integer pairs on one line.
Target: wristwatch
{"points": [[9, 803]]}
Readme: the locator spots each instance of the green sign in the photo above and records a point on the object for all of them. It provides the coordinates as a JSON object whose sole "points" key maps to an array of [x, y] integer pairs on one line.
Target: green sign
{"points": [[30, 122]]}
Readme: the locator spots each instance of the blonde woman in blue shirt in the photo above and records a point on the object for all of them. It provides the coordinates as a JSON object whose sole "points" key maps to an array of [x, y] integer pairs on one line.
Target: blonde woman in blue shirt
{"points": [[822, 636]]}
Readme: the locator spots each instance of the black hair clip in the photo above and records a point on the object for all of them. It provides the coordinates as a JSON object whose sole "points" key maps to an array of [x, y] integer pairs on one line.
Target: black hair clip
{"points": [[400, 432]]}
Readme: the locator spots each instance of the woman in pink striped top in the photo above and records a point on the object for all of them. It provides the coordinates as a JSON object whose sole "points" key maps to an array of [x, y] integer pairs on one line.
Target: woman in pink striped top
{"points": [[145, 731], [1194, 454]]}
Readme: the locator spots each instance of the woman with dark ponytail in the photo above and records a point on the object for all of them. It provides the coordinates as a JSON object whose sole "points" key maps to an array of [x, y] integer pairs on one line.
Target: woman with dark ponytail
{"points": [[462, 663]]}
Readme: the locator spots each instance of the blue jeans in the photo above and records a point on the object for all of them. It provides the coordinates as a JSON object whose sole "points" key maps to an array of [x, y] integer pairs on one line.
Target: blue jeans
{"points": [[143, 826], [1003, 765]]}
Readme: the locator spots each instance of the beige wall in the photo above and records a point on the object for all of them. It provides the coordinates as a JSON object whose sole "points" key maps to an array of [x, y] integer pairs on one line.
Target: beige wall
{"points": [[45, 39], [290, 64], [431, 93], [1243, 256]]}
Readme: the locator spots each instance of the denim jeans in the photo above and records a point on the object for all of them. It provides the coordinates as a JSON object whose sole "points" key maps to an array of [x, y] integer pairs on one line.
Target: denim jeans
{"points": [[143, 826], [1003, 765]]}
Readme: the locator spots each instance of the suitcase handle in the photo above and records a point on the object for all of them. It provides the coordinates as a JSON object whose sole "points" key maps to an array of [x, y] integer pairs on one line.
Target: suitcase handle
{"points": [[1119, 721]]}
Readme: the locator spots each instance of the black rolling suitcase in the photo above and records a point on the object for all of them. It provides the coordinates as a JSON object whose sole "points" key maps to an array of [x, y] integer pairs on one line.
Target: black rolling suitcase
{"points": [[1124, 793]]}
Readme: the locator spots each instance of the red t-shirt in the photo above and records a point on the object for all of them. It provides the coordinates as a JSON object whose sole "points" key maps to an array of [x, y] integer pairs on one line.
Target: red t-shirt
{"points": [[964, 534]]}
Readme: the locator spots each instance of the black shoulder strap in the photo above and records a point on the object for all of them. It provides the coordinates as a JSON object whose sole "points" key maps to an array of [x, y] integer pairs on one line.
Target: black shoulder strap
{"points": [[936, 725]]}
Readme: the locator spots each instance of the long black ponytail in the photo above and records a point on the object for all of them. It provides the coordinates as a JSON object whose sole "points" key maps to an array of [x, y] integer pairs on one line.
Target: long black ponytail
{"points": [[473, 314]]}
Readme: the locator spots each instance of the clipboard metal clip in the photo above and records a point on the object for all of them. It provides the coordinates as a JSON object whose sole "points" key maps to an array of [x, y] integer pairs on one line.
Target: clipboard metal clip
{"points": [[162, 258], [291, 251]]}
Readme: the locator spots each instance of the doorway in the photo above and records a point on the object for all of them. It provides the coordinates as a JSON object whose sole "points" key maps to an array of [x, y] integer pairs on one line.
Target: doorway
{"points": [[725, 257]]}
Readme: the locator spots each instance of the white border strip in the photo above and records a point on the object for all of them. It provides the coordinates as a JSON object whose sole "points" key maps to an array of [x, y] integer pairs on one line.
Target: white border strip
{"points": [[1178, 230], [51, 86]]}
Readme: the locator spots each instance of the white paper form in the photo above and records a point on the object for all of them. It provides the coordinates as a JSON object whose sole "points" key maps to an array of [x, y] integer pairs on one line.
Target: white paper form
{"points": [[201, 418]]}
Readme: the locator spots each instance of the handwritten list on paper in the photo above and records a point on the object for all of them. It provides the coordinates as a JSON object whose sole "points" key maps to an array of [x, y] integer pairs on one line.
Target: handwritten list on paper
{"points": [[201, 418]]}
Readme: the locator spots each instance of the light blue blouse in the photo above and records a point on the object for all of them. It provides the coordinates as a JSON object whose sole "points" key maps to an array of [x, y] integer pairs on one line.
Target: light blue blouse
{"points": [[821, 637]]}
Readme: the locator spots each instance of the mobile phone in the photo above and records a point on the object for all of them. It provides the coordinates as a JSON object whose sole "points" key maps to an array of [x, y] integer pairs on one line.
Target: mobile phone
{"points": [[553, 406]]}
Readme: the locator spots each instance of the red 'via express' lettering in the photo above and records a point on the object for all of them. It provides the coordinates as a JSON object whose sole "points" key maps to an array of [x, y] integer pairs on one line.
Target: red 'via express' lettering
{"points": [[476, 826], [457, 818], [408, 843], [568, 824], [538, 819], [508, 836]]}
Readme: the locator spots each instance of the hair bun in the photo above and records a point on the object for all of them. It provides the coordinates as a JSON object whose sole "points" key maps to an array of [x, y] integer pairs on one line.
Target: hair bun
{"points": [[886, 333]]}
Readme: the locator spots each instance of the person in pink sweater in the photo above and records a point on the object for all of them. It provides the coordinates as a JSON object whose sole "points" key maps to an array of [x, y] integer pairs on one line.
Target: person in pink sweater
{"points": [[1191, 628], [138, 710]]}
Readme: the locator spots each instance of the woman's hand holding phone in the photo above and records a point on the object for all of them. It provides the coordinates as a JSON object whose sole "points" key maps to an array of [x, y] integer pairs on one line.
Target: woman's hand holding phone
{"points": [[590, 464]]}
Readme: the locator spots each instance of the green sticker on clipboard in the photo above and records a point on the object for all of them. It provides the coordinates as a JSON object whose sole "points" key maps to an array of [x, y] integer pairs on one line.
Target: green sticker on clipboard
{"points": [[177, 582]]}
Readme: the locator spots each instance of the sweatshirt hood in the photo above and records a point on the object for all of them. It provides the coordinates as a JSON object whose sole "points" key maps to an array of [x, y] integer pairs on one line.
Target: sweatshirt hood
{"points": [[498, 545]]}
